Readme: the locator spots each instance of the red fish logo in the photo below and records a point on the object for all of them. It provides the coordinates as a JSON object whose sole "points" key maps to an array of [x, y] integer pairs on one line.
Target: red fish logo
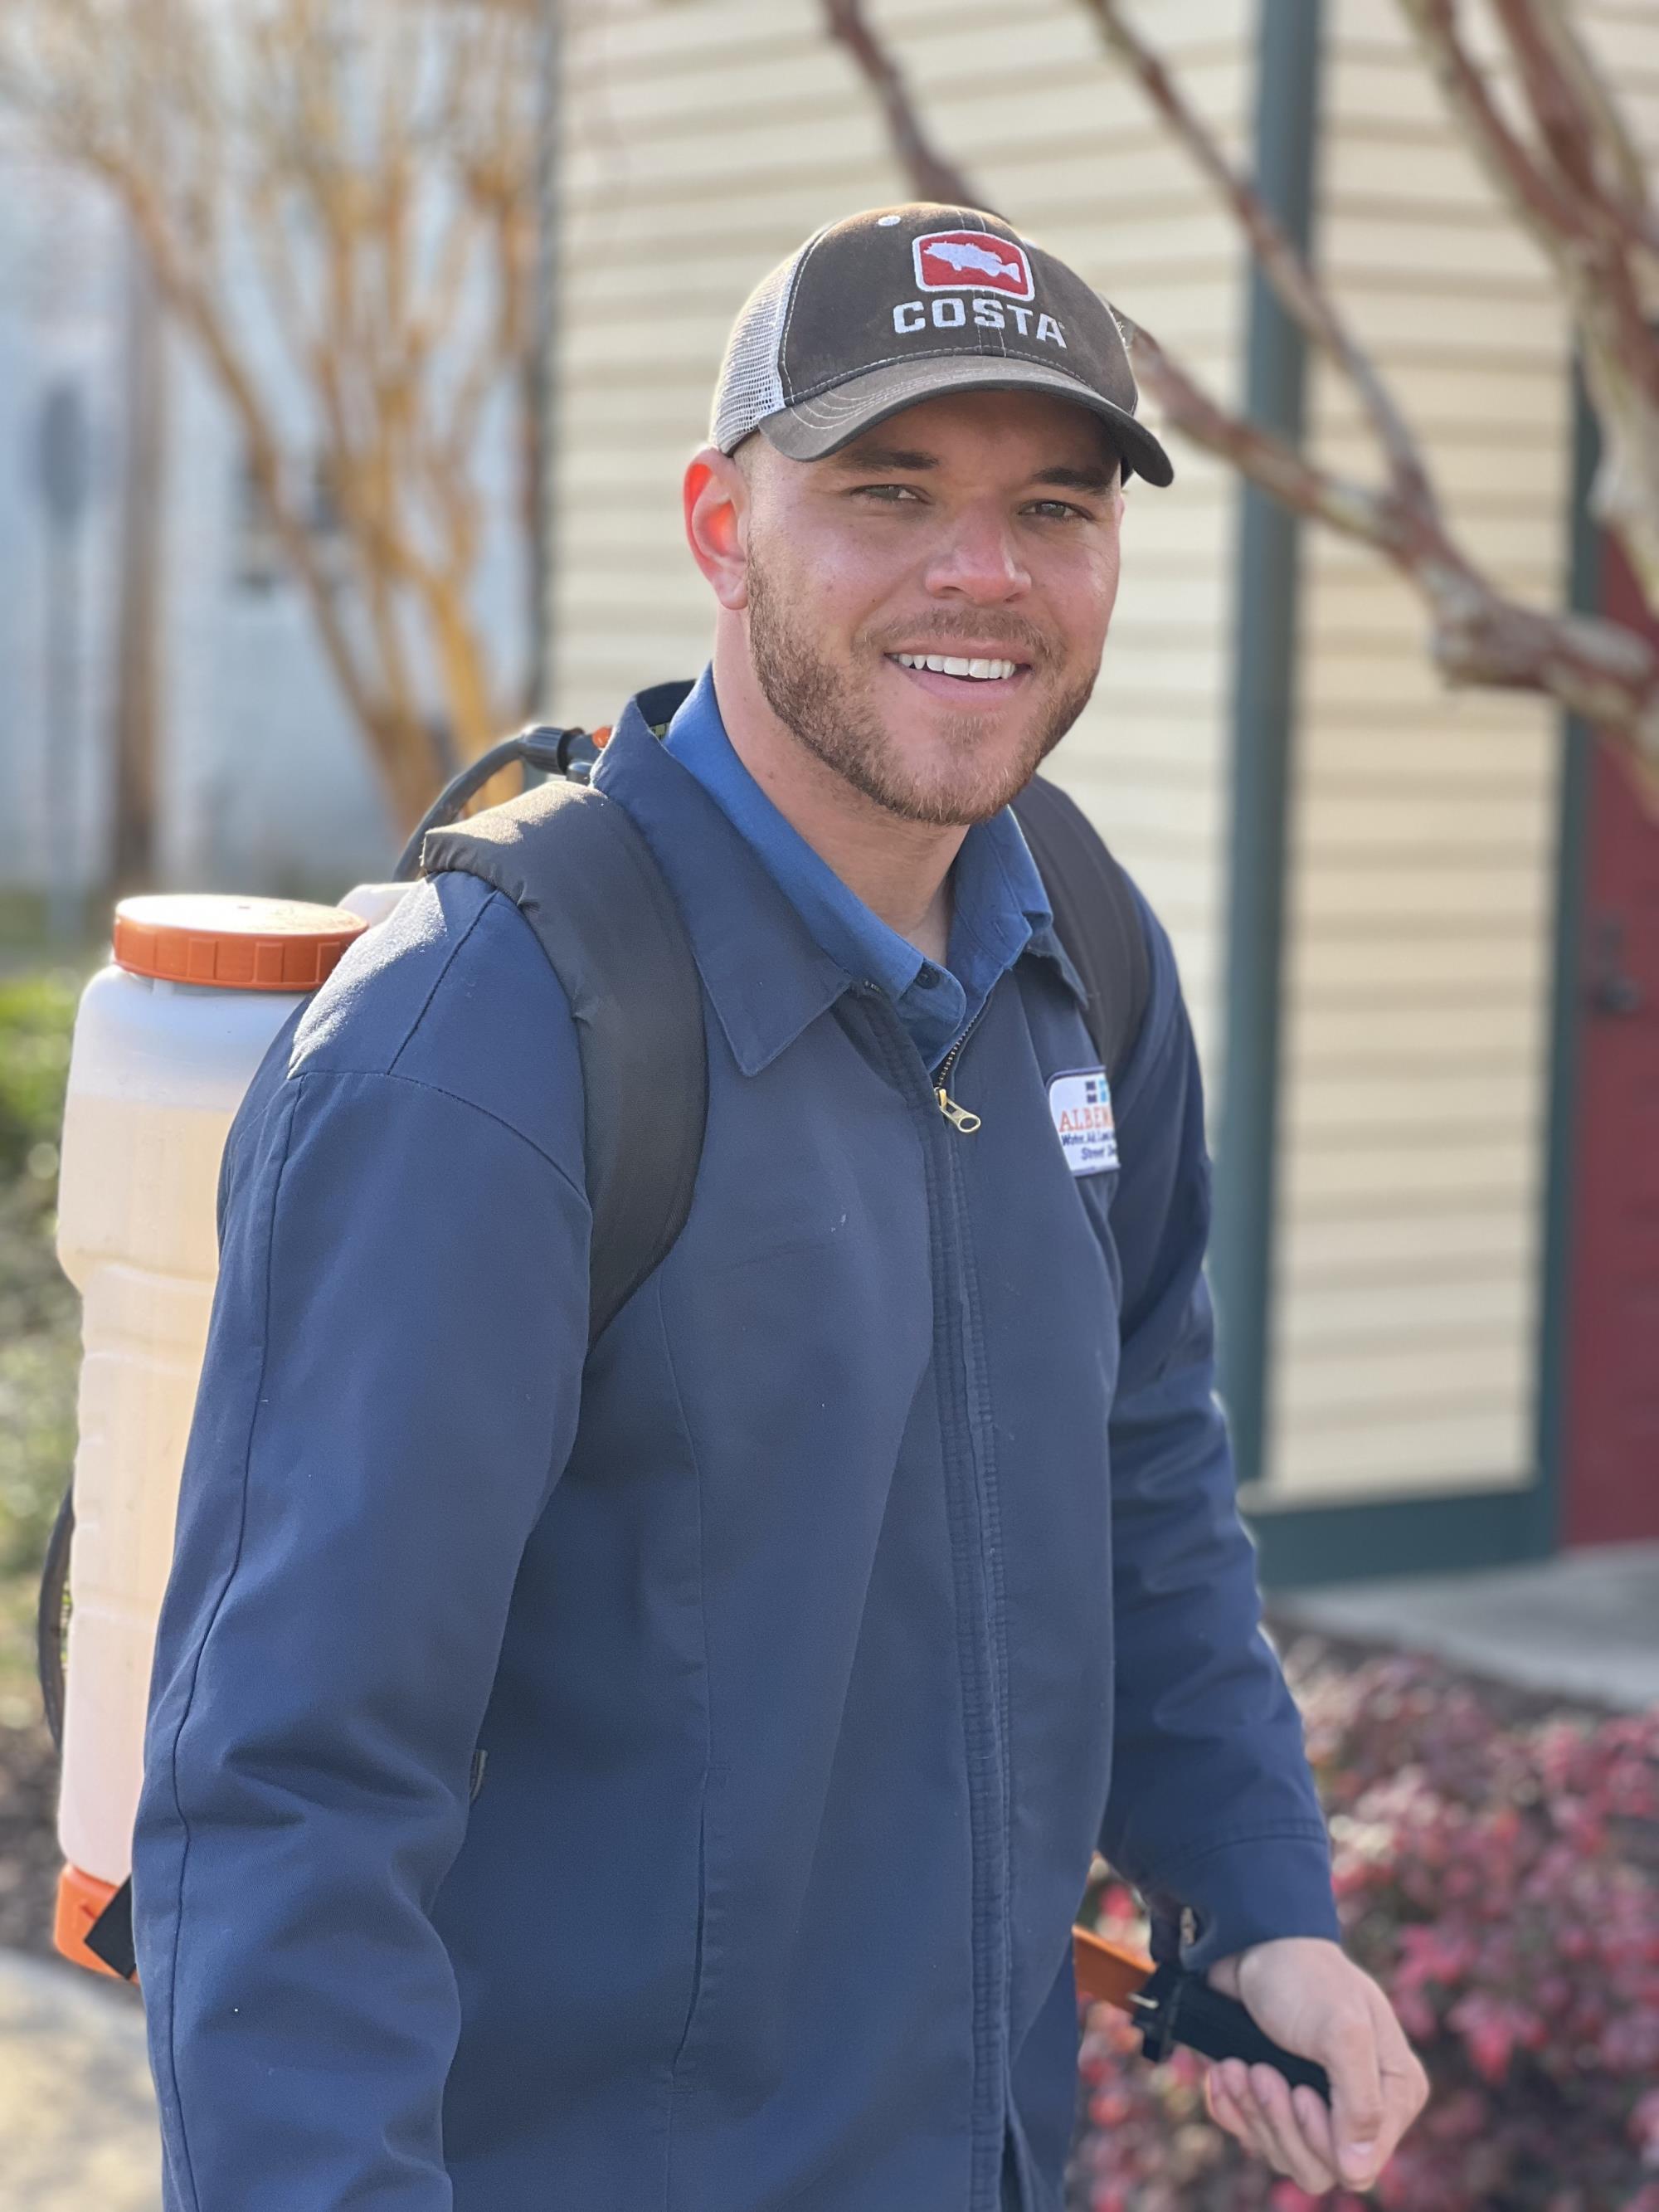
{"points": [[972, 261]]}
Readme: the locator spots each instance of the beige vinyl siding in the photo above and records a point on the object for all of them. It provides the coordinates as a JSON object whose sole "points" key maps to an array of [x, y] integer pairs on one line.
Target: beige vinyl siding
{"points": [[704, 140], [1421, 918]]}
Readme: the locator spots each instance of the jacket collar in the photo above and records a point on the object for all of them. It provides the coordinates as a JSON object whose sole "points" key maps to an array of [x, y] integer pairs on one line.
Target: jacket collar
{"points": [[765, 976]]}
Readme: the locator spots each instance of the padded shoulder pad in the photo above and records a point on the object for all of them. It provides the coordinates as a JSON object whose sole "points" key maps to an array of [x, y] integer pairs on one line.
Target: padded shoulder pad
{"points": [[1097, 917], [585, 880]]}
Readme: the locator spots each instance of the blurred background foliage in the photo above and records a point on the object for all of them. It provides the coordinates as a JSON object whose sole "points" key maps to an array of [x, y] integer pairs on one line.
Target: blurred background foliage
{"points": [[38, 1310], [1496, 1861]]}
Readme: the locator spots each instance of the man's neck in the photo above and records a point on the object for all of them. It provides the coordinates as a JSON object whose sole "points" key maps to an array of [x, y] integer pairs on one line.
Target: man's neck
{"points": [[901, 870]]}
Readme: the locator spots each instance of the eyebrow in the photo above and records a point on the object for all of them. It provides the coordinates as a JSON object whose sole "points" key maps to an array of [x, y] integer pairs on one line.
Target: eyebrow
{"points": [[905, 459], [862, 456], [1097, 479]]}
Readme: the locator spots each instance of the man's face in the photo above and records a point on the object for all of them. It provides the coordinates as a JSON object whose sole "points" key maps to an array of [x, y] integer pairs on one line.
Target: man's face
{"points": [[981, 528]]}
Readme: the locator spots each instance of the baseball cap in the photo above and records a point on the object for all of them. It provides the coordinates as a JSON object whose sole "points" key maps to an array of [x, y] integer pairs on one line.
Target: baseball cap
{"points": [[901, 304]]}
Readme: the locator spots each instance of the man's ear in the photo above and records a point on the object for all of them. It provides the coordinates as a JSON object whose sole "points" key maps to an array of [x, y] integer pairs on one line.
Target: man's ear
{"points": [[716, 500]]}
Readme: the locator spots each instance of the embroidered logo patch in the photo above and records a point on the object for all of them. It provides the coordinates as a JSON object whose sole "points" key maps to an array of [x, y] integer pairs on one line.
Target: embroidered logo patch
{"points": [[972, 261], [1081, 1103]]}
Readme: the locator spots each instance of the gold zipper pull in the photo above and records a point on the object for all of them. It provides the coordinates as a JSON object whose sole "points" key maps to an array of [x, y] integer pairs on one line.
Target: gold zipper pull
{"points": [[957, 1116]]}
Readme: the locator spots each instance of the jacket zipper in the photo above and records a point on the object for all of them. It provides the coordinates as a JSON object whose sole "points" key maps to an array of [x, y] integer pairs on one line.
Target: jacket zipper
{"points": [[957, 1116], [980, 1656]]}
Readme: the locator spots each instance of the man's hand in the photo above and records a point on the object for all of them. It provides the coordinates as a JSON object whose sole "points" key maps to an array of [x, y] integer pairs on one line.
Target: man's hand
{"points": [[1306, 1994]]}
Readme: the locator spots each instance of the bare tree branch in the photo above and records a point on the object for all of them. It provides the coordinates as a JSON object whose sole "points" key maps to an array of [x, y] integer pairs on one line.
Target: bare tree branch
{"points": [[1576, 116], [1595, 260], [1478, 634], [1533, 192], [1278, 467], [1304, 298], [374, 164], [933, 176], [265, 458]]}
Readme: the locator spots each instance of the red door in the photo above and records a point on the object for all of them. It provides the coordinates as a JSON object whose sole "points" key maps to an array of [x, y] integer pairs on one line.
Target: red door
{"points": [[1611, 1479]]}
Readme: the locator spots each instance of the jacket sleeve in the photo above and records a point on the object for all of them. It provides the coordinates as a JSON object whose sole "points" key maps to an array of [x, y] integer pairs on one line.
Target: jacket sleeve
{"points": [[1212, 1805], [389, 1394]]}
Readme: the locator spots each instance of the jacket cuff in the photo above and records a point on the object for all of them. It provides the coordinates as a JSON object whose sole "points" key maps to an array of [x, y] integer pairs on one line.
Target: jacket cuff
{"points": [[1255, 1890]]}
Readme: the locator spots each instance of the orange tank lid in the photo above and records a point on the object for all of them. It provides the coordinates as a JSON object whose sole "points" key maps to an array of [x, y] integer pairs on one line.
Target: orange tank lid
{"points": [[238, 944]]}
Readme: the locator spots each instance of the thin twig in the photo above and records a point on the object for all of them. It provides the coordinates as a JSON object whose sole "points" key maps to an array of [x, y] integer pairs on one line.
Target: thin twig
{"points": [[322, 134], [1578, 116], [1602, 278], [933, 175], [1478, 634], [1302, 295]]}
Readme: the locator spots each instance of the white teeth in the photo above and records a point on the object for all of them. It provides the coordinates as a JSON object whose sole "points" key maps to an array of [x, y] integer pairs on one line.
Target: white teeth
{"points": [[950, 665]]}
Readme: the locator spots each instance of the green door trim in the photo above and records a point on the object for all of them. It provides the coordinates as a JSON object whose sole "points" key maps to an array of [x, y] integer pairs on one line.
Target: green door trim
{"points": [[1571, 868], [1285, 136], [1454, 1533]]}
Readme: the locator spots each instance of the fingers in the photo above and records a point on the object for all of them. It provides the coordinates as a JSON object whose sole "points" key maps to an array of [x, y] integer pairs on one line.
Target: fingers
{"points": [[1290, 2133], [1405, 2084], [1356, 2106], [1317, 2132], [1233, 2107], [1293, 2152]]}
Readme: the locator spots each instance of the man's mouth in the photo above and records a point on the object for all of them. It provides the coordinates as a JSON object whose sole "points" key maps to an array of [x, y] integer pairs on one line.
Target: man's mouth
{"points": [[982, 677], [950, 664]]}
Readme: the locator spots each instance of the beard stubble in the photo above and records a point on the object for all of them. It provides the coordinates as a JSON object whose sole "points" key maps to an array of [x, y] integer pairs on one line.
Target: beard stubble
{"points": [[830, 712]]}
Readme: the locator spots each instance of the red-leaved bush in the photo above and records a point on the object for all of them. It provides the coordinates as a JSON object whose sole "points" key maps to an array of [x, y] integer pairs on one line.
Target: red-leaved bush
{"points": [[1502, 1884]]}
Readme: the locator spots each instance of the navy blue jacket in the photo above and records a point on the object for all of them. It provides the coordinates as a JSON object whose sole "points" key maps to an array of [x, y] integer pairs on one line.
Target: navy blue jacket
{"points": [[666, 1779]]}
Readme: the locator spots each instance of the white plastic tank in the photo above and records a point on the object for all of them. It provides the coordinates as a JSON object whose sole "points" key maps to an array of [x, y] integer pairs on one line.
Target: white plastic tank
{"points": [[166, 1039]]}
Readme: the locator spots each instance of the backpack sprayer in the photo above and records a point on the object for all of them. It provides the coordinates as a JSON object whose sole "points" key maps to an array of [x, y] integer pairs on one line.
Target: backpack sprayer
{"points": [[168, 1037]]}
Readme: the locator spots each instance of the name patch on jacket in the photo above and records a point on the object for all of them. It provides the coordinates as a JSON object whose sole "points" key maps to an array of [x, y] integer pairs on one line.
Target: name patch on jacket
{"points": [[1081, 1103]]}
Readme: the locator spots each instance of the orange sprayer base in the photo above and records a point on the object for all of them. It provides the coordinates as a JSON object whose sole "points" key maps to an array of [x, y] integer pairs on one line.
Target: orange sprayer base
{"points": [[80, 1898], [1107, 1973]]}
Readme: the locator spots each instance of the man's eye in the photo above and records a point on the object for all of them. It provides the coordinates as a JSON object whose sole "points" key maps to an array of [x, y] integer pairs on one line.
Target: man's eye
{"points": [[892, 494], [1063, 508]]}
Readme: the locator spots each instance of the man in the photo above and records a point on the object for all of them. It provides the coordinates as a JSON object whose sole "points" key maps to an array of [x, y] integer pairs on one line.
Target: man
{"points": [[665, 1777]]}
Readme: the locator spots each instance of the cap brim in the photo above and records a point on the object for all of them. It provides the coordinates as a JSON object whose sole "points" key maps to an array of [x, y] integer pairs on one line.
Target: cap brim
{"points": [[812, 429]]}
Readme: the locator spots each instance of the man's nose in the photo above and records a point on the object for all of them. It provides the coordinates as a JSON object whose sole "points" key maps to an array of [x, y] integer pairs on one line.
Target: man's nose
{"points": [[978, 560]]}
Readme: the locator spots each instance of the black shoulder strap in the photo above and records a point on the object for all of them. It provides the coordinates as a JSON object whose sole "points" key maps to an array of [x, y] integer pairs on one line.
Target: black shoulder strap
{"points": [[1095, 916], [585, 880]]}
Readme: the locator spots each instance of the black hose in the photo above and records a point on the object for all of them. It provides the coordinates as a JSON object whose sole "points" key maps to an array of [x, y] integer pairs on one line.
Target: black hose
{"points": [[51, 1621], [554, 751]]}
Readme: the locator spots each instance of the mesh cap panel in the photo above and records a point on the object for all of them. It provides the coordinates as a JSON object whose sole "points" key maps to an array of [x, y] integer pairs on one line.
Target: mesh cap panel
{"points": [[748, 387]]}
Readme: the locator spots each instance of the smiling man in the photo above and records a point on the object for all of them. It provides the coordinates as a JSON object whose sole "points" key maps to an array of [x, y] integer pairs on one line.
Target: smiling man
{"points": [[664, 1773]]}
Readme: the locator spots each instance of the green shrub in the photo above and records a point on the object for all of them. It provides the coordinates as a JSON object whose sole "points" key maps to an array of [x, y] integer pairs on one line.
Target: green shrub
{"points": [[39, 1310], [37, 1012]]}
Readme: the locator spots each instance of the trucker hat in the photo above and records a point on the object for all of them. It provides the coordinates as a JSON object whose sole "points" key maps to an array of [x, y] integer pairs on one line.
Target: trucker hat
{"points": [[901, 304]]}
